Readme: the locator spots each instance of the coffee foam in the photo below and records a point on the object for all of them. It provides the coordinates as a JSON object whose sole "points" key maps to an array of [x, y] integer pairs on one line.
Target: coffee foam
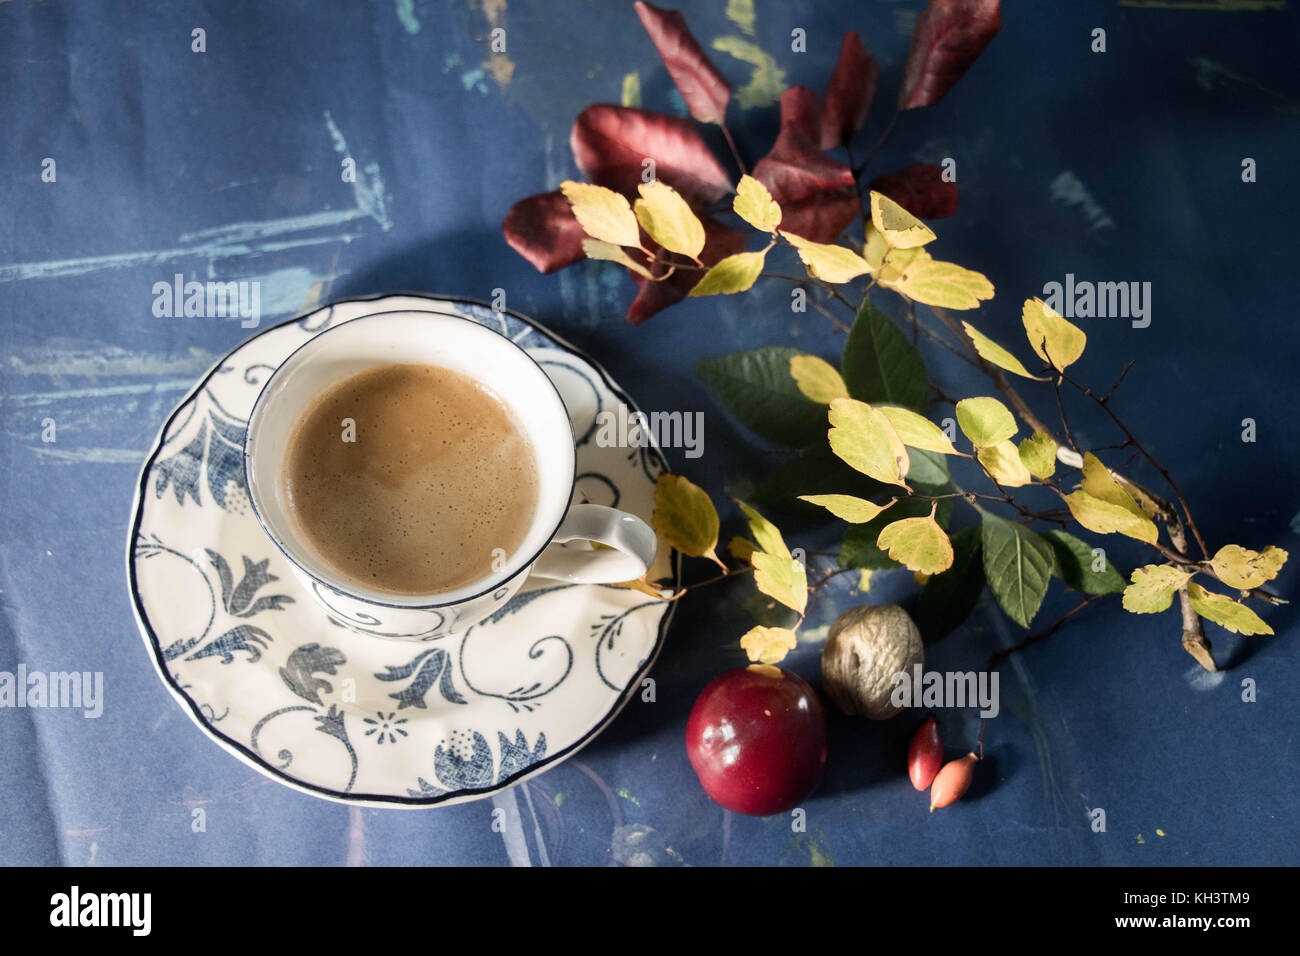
{"points": [[438, 482]]}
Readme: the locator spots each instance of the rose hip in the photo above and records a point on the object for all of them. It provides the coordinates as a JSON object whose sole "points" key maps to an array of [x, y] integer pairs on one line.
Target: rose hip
{"points": [[925, 754], [952, 781]]}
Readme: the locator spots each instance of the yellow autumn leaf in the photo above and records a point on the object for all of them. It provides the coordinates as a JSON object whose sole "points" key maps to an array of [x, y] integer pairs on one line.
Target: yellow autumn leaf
{"points": [[684, 517], [919, 544], [1100, 484], [768, 645], [765, 533], [1238, 567], [1244, 569], [985, 421], [864, 581], [828, 261], [1153, 587], [602, 213], [755, 205], [944, 284], [1057, 342], [741, 548], [734, 273], [1225, 612], [848, 508], [1104, 517], [896, 264], [668, 220], [598, 249], [862, 437], [643, 586], [917, 431], [781, 578], [1038, 453], [1002, 462], [875, 247], [817, 378], [900, 228], [990, 351], [1271, 560]]}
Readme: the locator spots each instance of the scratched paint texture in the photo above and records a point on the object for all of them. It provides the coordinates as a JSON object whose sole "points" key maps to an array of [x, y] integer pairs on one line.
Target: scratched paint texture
{"points": [[228, 165]]}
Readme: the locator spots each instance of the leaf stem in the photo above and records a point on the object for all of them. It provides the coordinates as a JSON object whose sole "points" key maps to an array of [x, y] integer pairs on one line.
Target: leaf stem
{"points": [[731, 144]]}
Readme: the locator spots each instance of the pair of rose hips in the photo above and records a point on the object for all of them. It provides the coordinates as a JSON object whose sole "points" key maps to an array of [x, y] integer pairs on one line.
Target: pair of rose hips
{"points": [[947, 782]]}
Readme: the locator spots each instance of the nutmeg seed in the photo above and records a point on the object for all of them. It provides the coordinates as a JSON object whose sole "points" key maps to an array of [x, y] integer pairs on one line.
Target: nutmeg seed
{"points": [[865, 648]]}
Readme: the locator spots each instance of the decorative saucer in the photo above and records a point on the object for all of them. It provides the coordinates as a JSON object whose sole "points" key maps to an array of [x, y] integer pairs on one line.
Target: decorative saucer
{"points": [[265, 671]]}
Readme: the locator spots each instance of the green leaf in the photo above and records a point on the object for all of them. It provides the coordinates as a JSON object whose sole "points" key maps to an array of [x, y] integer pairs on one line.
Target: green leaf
{"points": [[927, 467], [827, 261], [765, 533], [781, 578], [985, 421], [1018, 565], [860, 549], [919, 544], [768, 645], [990, 351], [731, 274], [900, 228], [1038, 454], [847, 507], [1057, 342], [757, 388], [863, 437], [607, 251], [602, 213], [817, 378], [1153, 588], [669, 220], [880, 366], [917, 431], [684, 517], [816, 470], [1225, 612], [1074, 561], [948, 598], [755, 205]]}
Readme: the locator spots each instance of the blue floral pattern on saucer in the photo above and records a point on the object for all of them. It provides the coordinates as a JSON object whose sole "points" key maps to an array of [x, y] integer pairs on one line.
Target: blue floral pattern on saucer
{"points": [[266, 672]]}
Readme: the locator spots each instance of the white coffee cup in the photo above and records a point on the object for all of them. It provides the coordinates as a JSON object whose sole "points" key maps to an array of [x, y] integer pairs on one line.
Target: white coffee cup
{"points": [[503, 367]]}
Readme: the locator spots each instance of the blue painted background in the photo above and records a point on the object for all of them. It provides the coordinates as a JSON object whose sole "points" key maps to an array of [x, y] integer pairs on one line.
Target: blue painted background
{"points": [[226, 165]]}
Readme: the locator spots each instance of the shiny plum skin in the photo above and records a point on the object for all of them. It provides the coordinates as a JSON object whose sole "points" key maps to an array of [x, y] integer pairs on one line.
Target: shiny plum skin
{"points": [[757, 740]]}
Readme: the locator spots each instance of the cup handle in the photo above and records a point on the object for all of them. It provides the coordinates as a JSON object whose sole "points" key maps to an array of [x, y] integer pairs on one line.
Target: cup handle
{"points": [[632, 541]]}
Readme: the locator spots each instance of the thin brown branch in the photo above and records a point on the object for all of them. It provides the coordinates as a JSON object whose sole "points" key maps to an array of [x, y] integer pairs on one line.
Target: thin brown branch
{"points": [[1104, 402], [1002, 653]]}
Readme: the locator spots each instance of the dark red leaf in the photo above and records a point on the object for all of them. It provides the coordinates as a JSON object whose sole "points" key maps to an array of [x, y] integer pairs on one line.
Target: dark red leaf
{"points": [[818, 195], [921, 190], [949, 35], [800, 107], [719, 242], [543, 230], [850, 93], [611, 143], [705, 90]]}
